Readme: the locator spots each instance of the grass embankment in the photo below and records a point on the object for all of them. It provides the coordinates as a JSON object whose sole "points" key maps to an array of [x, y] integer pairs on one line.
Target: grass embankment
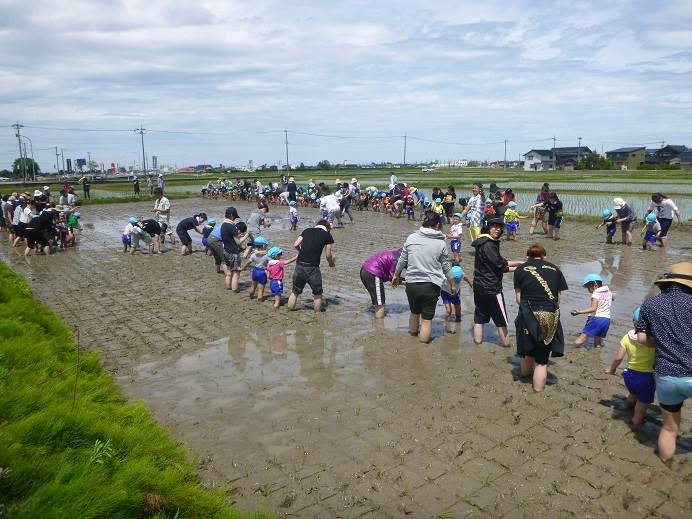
{"points": [[104, 457]]}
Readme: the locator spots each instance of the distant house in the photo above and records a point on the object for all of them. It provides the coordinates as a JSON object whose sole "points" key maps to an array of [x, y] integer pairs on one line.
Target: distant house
{"points": [[558, 158], [651, 156], [538, 160], [686, 159], [669, 154], [569, 157], [628, 158]]}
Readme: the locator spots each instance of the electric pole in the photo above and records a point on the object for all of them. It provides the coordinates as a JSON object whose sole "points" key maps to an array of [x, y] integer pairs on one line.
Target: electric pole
{"points": [[404, 150], [554, 164], [579, 151], [62, 156], [141, 131], [18, 127], [57, 162], [504, 162], [288, 167]]}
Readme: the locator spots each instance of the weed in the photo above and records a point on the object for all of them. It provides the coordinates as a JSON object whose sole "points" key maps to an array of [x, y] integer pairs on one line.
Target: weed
{"points": [[103, 452]]}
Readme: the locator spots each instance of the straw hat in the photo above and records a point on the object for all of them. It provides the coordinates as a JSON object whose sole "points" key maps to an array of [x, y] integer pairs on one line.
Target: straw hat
{"points": [[619, 203], [678, 273]]}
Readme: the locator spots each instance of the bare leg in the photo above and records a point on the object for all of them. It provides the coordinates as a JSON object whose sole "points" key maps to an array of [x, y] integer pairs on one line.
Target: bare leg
{"points": [[235, 278], [413, 324], [425, 330], [292, 301], [527, 366], [581, 340], [477, 333], [639, 413], [668, 435], [317, 303], [504, 336], [260, 294], [540, 377], [379, 311]]}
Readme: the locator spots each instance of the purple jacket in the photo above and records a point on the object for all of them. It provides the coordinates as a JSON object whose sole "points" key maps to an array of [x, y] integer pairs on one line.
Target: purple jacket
{"points": [[382, 264]]}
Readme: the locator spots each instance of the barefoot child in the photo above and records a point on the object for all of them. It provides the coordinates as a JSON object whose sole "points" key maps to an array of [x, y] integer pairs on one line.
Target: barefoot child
{"points": [[127, 234], [512, 220], [609, 221], [72, 224], [293, 216], [650, 232], [597, 325], [409, 205], [275, 269], [455, 234], [449, 298], [258, 260], [639, 375], [206, 231]]}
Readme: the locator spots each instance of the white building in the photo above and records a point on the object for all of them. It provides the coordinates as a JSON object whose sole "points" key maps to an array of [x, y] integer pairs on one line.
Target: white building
{"points": [[538, 160]]}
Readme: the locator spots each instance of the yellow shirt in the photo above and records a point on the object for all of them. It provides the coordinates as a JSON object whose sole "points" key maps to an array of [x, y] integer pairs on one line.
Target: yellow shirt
{"points": [[438, 208], [639, 357]]}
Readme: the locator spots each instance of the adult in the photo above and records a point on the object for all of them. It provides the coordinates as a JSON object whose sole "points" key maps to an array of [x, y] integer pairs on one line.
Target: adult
{"points": [[537, 287], [161, 183], [86, 188], [626, 218], [540, 213], [664, 322], [330, 206], [489, 267], [292, 189], [448, 202], [310, 244], [135, 185], [375, 272], [426, 260], [474, 210], [162, 209], [72, 198], [150, 185], [347, 200], [664, 209], [259, 219], [193, 223], [148, 231], [37, 231], [232, 236]]}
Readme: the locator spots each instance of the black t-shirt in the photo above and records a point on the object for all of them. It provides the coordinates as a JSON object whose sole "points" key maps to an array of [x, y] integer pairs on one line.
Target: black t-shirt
{"points": [[531, 287], [291, 187], [188, 224], [554, 208], [228, 234], [41, 222], [151, 227], [314, 241]]}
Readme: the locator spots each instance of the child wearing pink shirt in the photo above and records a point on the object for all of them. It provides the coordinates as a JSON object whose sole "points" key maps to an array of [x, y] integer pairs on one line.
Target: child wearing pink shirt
{"points": [[275, 269]]}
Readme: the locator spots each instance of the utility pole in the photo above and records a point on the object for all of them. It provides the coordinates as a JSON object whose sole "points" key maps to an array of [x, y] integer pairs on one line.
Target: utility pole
{"points": [[57, 161], [504, 162], [554, 164], [18, 127], [141, 131], [404, 150], [62, 156], [663, 144], [288, 167], [33, 162], [579, 151]]}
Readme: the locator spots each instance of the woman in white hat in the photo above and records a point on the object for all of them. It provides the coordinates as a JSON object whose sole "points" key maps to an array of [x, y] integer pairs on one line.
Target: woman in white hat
{"points": [[626, 219]]}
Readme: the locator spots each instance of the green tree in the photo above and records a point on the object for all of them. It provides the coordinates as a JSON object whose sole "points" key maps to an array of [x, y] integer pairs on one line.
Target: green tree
{"points": [[302, 167], [324, 164], [93, 166], [31, 167], [595, 161]]}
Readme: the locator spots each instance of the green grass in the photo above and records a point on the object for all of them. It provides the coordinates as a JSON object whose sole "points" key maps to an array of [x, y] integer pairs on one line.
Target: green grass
{"points": [[103, 458]]}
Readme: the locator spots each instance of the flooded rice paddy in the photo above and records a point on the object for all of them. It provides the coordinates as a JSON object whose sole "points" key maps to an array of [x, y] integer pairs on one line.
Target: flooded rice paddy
{"points": [[335, 415]]}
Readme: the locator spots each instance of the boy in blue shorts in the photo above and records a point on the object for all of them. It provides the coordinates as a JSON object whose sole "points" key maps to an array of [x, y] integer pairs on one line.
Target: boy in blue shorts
{"points": [[410, 204], [293, 216], [206, 231], [455, 234], [639, 375], [450, 299], [258, 260], [127, 234], [275, 269], [609, 220], [651, 231], [597, 325]]}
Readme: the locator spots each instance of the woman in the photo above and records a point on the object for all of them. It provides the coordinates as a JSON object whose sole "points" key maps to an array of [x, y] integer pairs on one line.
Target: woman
{"points": [[474, 210], [626, 218], [375, 272], [448, 202], [539, 213], [489, 268], [537, 287], [193, 223], [664, 209], [426, 260], [664, 322]]}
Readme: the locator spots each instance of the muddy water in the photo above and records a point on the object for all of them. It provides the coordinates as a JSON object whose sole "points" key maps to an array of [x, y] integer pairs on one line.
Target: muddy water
{"points": [[336, 415]]}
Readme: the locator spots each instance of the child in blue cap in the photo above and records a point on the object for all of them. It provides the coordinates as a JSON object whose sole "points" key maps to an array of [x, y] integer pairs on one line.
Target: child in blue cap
{"points": [[275, 269], [449, 298], [206, 231], [610, 222], [258, 260], [292, 215], [598, 322], [650, 232], [455, 234], [127, 234]]}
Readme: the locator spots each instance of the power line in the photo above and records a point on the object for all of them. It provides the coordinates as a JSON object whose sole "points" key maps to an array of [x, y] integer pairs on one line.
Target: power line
{"points": [[75, 129]]}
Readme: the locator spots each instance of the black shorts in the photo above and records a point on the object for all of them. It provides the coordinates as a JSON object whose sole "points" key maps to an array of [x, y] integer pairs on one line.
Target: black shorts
{"points": [[34, 237], [540, 355], [183, 235], [449, 209], [422, 299], [490, 306], [305, 274], [626, 225], [374, 286], [665, 226], [18, 230], [554, 221]]}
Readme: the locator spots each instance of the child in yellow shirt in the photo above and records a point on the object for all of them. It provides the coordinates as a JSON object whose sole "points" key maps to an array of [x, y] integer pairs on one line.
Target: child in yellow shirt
{"points": [[639, 375], [437, 206]]}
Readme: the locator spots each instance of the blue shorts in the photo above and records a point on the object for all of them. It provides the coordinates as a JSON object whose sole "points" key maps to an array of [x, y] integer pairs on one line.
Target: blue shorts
{"points": [[259, 276], [673, 390], [127, 240], [276, 286], [596, 326], [455, 245], [205, 241], [325, 215], [640, 384], [650, 236], [409, 211], [610, 230], [294, 220], [449, 299], [512, 227]]}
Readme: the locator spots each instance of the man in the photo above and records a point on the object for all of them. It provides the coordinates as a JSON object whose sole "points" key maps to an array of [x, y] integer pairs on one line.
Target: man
{"points": [[330, 205], [161, 182], [135, 186], [292, 189], [86, 187], [162, 209], [310, 245], [150, 185], [232, 238]]}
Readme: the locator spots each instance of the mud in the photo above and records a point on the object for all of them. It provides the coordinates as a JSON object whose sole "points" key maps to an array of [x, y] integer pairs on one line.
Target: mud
{"points": [[334, 415]]}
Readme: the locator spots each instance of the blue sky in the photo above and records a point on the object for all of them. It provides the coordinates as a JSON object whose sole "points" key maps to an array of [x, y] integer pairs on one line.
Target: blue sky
{"points": [[612, 72]]}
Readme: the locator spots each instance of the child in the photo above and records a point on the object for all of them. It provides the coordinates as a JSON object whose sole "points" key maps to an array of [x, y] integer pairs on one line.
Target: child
{"points": [[449, 299], [512, 218], [597, 325], [275, 268], [72, 224], [258, 260], [639, 375], [293, 216], [206, 231], [410, 204], [650, 232], [609, 220], [127, 234], [437, 206], [455, 234]]}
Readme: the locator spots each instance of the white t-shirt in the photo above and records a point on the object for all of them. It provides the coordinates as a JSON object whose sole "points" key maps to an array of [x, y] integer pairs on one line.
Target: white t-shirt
{"points": [[127, 231], [163, 203], [293, 211], [457, 230], [605, 299], [329, 203], [665, 209], [71, 198], [27, 215]]}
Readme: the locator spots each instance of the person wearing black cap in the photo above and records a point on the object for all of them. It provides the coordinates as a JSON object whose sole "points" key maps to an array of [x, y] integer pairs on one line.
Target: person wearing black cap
{"points": [[487, 282], [232, 239]]}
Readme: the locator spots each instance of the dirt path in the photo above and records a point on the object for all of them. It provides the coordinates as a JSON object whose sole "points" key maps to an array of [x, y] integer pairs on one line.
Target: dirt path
{"points": [[333, 415]]}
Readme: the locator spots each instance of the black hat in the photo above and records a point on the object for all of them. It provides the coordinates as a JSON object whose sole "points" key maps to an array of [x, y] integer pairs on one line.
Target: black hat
{"points": [[231, 213]]}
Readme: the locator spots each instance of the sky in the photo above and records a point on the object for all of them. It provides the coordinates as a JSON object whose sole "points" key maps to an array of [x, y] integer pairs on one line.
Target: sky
{"points": [[456, 77]]}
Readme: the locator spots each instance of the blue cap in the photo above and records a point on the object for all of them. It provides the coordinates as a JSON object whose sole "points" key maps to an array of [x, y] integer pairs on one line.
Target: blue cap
{"points": [[592, 278], [292, 202], [607, 213], [650, 218], [458, 215], [211, 221], [457, 273], [77, 214], [438, 200], [635, 314], [512, 204], [132, 219], [260, 241], [274, 252]]}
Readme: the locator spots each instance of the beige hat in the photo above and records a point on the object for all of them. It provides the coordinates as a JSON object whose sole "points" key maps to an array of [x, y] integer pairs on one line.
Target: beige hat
{"points": [[678, 273], [618, 203]]}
